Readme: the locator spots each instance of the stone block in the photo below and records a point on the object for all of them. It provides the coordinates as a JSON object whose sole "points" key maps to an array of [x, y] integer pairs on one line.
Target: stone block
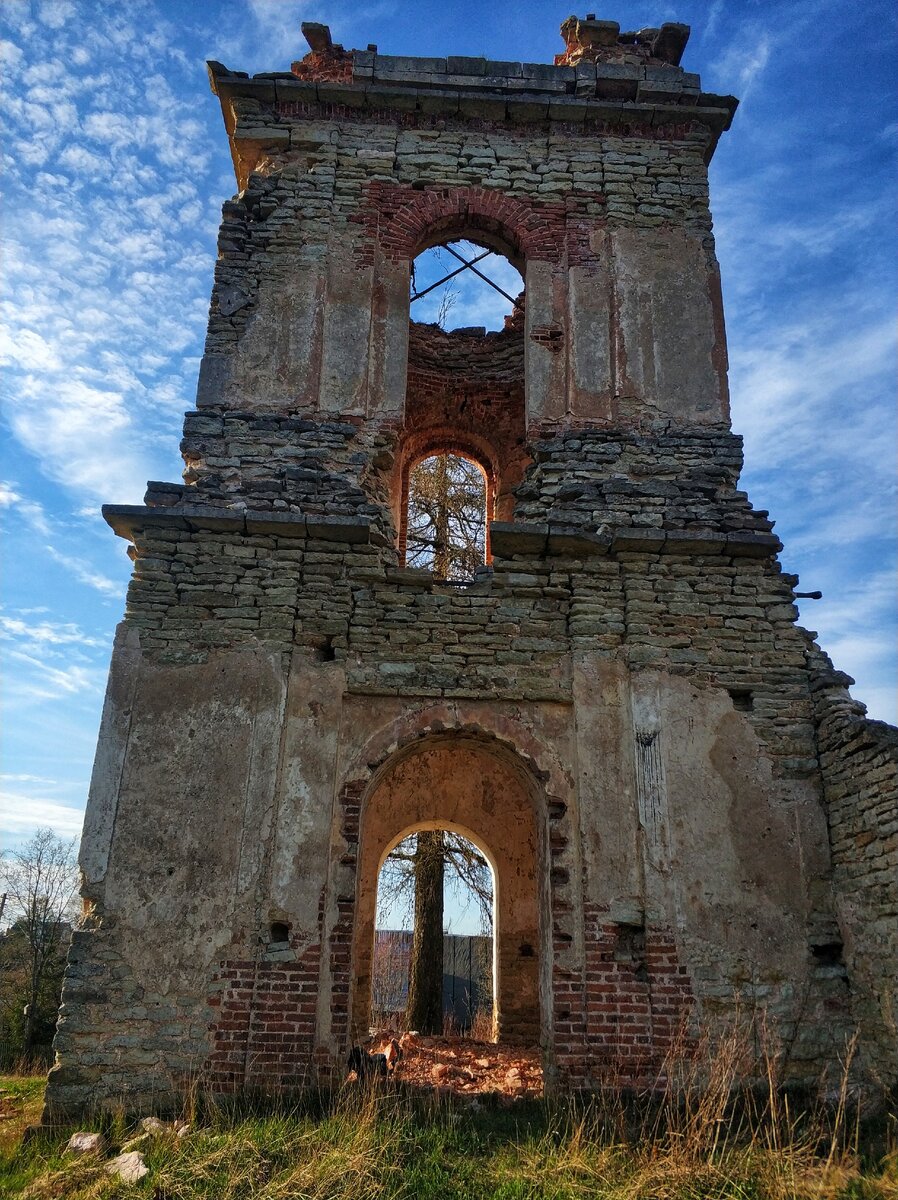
{"points": [[530, 109], [616, 81], [341, 93], [745, 544], [268, 137], [693, 541], [484, 108], [499, 68], [338, 529], [222, 520], [282, 524], [639, 540], [659, 93], [461, 65], [509, 538], [392, 64], [382, 95], [670, 42], [577, 542]]}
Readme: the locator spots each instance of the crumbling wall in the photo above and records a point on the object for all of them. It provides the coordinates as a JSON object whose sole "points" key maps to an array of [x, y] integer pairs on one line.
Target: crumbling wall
{"points": [[859, 765]]}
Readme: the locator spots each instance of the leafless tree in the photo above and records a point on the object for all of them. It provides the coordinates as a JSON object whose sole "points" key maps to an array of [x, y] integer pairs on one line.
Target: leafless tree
{"points": [[40, 882], [415, 876], [446, 528]]}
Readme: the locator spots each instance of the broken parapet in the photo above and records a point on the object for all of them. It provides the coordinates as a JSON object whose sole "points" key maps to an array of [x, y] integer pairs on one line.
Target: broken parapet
{"points": [[593, 41], [859, 766]]}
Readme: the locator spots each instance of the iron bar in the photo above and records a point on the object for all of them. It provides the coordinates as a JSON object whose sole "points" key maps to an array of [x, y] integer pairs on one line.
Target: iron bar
{"points": [[452, 274], [480, 274]]}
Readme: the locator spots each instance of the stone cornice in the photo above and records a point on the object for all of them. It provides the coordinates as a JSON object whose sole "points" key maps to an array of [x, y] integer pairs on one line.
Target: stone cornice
{"points": [[508, 539], [596, 97]]}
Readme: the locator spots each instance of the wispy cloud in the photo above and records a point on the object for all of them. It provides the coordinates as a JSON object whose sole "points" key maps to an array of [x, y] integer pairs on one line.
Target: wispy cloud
{"points": [[30, 510], [84, 573], [21, 814], [46, 633], [47, 682]]}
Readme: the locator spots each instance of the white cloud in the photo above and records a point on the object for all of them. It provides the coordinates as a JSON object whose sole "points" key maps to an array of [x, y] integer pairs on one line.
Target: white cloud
{"points": [[46, 633], [10, 54], [84, 161], [21, 814], [55, 13], [45, 682], [30, 510], [7, 778]]}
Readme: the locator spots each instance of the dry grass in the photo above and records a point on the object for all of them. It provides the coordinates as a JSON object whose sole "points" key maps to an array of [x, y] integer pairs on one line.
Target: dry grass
{"points": [[703, 1135]]}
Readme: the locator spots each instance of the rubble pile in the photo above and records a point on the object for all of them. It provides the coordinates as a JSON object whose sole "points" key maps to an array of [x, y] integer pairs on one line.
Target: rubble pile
{"points": [[463, 1066]]}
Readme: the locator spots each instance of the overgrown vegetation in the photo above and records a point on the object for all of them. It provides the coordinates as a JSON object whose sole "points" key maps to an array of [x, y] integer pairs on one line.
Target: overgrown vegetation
{"points": [[362, 1144], [38, 886]]}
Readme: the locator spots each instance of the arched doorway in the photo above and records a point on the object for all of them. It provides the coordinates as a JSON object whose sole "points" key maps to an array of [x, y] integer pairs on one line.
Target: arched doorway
{"points": [[462, 783], [434, 946]]}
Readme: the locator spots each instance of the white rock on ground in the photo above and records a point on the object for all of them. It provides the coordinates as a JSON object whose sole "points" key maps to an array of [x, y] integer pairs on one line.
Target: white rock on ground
{"points": [[130, 1168], [85, 1143], [153, 1125]]}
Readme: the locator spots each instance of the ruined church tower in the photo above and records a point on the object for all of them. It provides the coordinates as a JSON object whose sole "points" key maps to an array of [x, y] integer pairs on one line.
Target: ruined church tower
{"points": [[686, 814]]}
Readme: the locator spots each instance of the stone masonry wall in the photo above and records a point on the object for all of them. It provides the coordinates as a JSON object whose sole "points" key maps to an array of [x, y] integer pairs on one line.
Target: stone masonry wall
{"points": [[859, 762], [343, 183]]}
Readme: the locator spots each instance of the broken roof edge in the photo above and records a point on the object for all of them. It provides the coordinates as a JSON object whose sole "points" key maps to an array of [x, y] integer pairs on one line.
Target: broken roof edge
{"points": [[584, 38]]}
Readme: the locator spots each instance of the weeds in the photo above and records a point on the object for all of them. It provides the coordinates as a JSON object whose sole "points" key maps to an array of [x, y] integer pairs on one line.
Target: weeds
{"points": [[701, 1133]]}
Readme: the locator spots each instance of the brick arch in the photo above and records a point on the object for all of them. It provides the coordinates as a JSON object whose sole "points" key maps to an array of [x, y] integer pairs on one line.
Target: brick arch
{"points": [[425, 218], [510, 736], [550, 786]]}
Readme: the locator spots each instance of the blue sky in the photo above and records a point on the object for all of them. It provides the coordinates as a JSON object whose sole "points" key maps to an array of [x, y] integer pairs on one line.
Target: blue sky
{"points": [[116, 165]]}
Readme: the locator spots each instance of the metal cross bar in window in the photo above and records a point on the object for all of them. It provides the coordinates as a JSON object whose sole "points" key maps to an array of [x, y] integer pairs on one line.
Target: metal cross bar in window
{"points": [[480, 274], [452, 274]]}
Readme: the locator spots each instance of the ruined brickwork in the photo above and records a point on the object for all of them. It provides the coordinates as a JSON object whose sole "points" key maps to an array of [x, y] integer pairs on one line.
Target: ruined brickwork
{"points": [[619, 708]]}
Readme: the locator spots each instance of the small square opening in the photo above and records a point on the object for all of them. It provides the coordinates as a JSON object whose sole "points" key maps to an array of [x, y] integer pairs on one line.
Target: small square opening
{"points": [[743, 699]]}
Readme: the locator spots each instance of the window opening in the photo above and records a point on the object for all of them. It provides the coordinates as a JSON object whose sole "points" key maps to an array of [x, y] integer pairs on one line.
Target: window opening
{"points": [[481, 293], [432, 969], [446, 516]]}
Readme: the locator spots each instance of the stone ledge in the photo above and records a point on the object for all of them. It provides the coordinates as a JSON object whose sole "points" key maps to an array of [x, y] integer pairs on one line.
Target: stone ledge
{"points": [[127, 519], [509, 538]]}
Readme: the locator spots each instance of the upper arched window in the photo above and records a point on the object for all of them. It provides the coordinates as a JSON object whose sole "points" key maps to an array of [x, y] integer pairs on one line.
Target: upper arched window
{"points": [[445, 527], [464, 285]]}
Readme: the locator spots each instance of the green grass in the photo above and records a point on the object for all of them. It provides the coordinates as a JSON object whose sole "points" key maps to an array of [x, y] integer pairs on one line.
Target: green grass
{"points": [[362, 1145]]}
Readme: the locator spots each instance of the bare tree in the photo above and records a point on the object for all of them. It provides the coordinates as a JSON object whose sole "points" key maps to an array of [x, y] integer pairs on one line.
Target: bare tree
{"points": [[41, 882], [415, 875], [446, 528]]}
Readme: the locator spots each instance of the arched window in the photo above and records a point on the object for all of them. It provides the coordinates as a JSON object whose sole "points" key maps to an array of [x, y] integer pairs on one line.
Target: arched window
{"points": [[464, 284], [446, 516], [463, 448]]}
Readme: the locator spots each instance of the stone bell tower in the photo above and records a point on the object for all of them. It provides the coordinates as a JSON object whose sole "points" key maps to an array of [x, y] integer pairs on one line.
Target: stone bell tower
{"points": [[618, 706]]}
